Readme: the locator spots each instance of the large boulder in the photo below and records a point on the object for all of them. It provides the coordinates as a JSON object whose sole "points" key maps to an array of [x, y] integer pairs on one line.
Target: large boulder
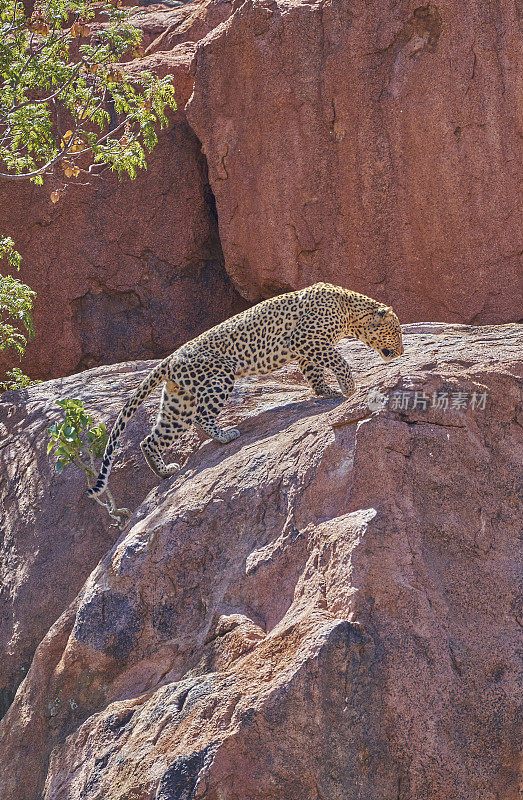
{"points": [[370, 144], [49, 545], [325, 607]]}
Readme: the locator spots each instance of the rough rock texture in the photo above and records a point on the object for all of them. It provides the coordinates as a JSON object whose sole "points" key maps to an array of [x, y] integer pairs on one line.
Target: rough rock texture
{"points": [[48, 545], [323, 608], [372, 144], [128, 269], [164, 29]]}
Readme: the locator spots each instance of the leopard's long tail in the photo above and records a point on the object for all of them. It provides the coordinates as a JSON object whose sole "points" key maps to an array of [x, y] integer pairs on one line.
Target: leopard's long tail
{"points": [[158, 374]]}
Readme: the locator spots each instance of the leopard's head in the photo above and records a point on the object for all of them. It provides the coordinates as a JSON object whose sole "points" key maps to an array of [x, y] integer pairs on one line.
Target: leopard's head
{"points": [[382, 332]]}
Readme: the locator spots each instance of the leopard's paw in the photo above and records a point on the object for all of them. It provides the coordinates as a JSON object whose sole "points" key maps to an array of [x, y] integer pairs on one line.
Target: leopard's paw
{"points": [[230, 435]]}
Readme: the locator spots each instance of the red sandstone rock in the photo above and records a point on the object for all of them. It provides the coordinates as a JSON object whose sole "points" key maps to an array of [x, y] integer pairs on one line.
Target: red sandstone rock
{"points": [[188, 23], [128, 269], [50, 545], [325, 607], [369, 144]]}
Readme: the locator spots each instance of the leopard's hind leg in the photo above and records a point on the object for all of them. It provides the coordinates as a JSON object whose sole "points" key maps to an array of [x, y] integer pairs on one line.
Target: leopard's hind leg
{"points": [[211, 395], [174, 417]]}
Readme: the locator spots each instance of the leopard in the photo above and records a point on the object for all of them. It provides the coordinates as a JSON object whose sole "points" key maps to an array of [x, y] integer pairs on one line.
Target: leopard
{"points": [[301, 326]]}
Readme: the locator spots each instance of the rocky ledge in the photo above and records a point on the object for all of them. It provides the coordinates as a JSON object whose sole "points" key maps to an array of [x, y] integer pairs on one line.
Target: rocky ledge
{"points": [[324, 608]]}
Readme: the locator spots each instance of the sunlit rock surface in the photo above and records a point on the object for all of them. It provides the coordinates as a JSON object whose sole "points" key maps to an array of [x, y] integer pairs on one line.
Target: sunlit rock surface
{"points": [[323, 608]]}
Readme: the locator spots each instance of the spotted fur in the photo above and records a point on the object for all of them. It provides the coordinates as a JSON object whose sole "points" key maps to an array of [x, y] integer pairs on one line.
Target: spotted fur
{"points": [[300, 326]]}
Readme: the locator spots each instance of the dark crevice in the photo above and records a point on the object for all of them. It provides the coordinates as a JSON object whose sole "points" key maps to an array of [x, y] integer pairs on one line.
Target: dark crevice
{"points": [[7, 693], [179, 781], [180, 700], [170, 304], [210, 201], [238, 303], [214, 243], [6, 698]]}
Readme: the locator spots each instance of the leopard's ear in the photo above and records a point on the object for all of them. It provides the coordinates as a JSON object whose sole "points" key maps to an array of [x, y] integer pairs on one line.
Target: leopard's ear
{"points": [[381, 312]]}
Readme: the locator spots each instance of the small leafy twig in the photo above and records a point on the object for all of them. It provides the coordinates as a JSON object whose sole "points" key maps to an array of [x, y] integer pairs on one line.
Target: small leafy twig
{"points": [[16, 379], [16, 306], [77, 440]]}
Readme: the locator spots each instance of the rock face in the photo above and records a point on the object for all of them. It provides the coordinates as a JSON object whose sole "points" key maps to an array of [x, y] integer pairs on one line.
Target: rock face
{"points": [[323, 608], [128, 269], [49, 545], [370, 144]]}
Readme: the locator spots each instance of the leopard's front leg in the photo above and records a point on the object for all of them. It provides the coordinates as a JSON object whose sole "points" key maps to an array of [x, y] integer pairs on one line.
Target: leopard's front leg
{"points": [[314, 374], [314, 356]]}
